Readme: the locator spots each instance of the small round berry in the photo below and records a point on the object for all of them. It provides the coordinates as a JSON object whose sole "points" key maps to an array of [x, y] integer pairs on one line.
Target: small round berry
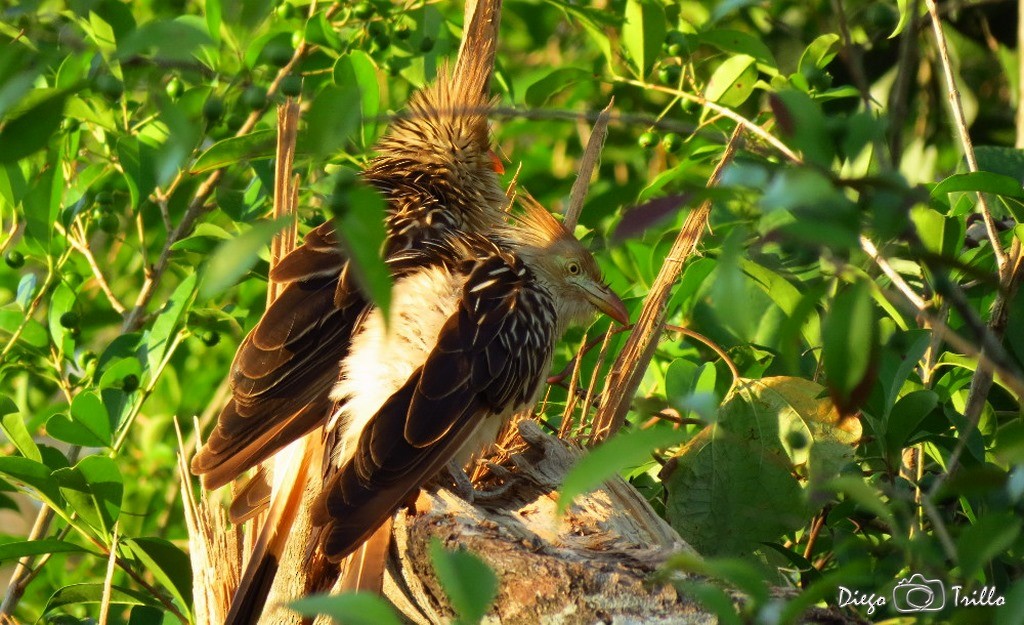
{"points": [[14, 259], [210, 338], [130, 383], [278, 53], [70, 319], [213, 109], [364, 10], [291, 85], [669, 74], [648, 140], [672, 142], [797, 439], [174, 88], [109, 223], [255, 97], [285, 10], [427, 44]]}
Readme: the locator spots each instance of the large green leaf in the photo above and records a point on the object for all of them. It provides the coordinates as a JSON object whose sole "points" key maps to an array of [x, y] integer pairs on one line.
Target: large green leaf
{"points": [[470, 584], [256, 144], [731, 487], [167, 563], [236, 256], [13, 426], [351, 608], [624, 450], [77, 594], [88, 423], [94, 489], [643, 33], [13, 551], [849, 337]]}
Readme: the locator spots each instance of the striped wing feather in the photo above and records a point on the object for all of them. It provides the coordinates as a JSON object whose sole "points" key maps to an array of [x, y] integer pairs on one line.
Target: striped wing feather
{"points": [[468, 377]]}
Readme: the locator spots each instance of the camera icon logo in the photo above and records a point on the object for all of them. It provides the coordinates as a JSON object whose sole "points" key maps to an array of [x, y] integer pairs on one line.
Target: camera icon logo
{"points": [[918, 594]]}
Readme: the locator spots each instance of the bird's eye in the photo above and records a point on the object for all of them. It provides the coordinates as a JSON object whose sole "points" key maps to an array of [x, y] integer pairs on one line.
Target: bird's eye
{"points": [[573, 268]]}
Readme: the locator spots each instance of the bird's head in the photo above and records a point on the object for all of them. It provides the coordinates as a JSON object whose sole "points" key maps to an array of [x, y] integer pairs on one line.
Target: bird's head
{"points": [[563, 266]]}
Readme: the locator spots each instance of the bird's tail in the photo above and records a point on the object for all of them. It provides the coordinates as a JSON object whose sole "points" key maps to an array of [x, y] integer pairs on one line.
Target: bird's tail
{"points": [[292, 468], [364, 569], [475, 63]]}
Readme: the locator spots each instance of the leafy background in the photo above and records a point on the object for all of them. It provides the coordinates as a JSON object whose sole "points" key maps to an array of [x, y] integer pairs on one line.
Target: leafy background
{"points": [[846, 448]]}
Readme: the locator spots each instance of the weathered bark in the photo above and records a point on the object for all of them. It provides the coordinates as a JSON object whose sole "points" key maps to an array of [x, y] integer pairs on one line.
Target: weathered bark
{"points": [[591, 565]]}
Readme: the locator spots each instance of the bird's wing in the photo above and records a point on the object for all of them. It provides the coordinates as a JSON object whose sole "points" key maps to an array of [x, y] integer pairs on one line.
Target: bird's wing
{"points": [[489, 358], [283, 372]]}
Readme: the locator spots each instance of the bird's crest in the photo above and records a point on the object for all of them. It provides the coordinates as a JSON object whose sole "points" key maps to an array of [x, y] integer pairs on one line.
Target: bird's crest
{"points": [[536, 225]]}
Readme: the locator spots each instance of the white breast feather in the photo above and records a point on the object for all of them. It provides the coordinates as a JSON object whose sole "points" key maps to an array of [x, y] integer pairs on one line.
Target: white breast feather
{"points": [[382, 359]]}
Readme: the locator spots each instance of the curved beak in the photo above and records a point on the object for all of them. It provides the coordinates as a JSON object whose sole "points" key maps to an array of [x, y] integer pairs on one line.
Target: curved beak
{"points": [[605, 300]]}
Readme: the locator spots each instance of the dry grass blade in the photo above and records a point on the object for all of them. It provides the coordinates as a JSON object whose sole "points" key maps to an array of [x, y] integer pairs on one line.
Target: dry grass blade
{"points": [[589, 161], [629, 367], [215, 547]]}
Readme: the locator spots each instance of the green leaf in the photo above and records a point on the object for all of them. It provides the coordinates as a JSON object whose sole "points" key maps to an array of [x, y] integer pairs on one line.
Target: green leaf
{"points": [[990, 536], [169, 40], [849, 339], [542, 90], [904, 418], [157, 340], [733, 81], [76, 594], [624, 450], [235, 257], [88, 424], [167, 563], [470, 584], [332, 119], [738, 42], [138, 159], [13, 426], [819, 54], [33, 335], [980, 181], [356, 69], [361, 234], [256, 144], [32, 476], [731, 487], [204, 239], [351, 608], [20, 549], [643, 33], [29, 130], [94, 489]]}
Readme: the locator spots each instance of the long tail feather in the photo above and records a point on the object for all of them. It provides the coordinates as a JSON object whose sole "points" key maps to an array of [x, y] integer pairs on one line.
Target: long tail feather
{"points": [[364, 569], [291, 471]]}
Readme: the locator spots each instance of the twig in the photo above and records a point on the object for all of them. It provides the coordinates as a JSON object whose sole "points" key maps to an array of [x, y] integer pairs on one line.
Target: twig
{"points": [[743, 122], [629, 367], [957, 108], [97, 273], [591, 157], [108, 580], [713, 346], [897, 280]]}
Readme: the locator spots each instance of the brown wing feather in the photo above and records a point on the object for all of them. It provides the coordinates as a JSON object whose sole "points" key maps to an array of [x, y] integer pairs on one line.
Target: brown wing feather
{"points": [[282, 374], [423, 425]]}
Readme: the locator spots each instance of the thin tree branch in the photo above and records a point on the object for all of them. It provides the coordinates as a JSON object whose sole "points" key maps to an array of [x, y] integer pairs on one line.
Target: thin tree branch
{"points": [[960, 121], [628, 369], [744, 123]]}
